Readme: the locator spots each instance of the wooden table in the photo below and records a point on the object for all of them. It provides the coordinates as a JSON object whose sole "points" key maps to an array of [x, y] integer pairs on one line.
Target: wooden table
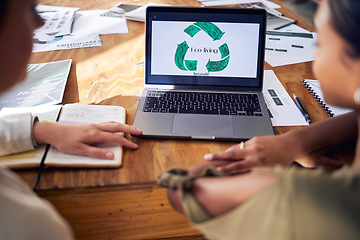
{"points": [[125, 203]]}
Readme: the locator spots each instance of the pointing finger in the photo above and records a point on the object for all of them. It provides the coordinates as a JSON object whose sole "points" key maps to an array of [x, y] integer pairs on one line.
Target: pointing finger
{"points": [[232, 153]]}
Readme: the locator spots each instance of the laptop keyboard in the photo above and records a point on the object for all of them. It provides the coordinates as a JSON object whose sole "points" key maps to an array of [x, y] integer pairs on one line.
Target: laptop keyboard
{"points": [[202, 103]]}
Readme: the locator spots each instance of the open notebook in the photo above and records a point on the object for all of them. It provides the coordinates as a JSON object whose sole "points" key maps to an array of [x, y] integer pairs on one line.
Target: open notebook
{"points": [[71, 113]]}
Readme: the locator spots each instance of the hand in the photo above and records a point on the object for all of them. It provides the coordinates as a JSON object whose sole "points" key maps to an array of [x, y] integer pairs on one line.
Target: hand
{"points": [[319, 158], [79, 138], [264, 151]]}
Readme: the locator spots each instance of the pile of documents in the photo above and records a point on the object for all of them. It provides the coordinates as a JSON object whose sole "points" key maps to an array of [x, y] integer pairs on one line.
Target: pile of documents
{"points": [[68, 28]]}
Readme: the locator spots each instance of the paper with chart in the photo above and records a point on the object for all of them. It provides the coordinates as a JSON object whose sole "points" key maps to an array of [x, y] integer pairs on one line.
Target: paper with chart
{"points": [[282, 108], [285, 47]]}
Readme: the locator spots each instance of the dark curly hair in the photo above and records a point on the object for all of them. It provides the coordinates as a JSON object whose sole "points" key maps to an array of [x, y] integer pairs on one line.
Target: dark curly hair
{"points": [[345, 18]]}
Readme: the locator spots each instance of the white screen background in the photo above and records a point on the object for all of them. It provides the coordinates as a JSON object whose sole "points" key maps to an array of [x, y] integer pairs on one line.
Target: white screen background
{"points": [[241, 38]]}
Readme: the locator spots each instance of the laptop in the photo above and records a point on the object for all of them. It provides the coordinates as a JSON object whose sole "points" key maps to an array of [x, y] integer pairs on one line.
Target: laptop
{"points": [[204, 74]]}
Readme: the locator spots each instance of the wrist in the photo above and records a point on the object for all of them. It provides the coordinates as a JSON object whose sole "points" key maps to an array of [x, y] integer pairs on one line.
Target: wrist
{"points": [[298, 142], [34, 121], [41, 130]]}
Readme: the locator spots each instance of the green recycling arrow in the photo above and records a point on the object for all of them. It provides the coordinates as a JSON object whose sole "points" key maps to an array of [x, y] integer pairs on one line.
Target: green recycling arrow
{"points": [[180, 55], [190, 65], [192, 30], [211, 29], [217, 66], [224, 50]]}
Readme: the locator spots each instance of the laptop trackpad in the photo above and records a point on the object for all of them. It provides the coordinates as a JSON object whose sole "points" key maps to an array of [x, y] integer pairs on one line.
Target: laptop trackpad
{"points": [[202, 125]]}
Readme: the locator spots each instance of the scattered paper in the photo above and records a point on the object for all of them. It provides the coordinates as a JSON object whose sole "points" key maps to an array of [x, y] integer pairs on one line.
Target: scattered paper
{"points": [[285, 48], [139, 14], [91, 22], [68, 42], [65, 28], [48, 8], [294, 28], [56, 24], [232, 2], [281, 106], [120, 9]]}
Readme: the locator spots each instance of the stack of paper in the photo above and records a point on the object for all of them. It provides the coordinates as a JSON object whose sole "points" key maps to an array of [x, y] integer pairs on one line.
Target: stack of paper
{"points": [[68, 28]]}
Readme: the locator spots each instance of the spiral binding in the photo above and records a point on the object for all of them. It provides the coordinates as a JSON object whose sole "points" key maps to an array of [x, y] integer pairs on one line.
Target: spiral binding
{"points": [[318, 98], [285, 25]]}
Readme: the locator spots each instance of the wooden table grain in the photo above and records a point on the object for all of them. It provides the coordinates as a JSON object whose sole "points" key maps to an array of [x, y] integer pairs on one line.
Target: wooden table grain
{"points": [[125, 203]]}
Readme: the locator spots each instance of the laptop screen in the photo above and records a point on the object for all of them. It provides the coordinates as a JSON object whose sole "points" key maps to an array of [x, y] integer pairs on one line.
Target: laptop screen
{"points": [[205, 46]]}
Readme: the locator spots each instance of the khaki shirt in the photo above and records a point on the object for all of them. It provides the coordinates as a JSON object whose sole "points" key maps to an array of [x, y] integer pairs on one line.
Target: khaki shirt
{"points": [[305, 204]]}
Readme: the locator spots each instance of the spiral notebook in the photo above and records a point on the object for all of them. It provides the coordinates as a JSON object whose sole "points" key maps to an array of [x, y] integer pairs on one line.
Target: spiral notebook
{"points": [[314, 88], [275, 22]]}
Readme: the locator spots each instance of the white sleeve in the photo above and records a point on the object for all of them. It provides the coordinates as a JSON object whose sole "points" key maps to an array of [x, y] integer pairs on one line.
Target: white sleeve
{"points": [[25, 216], [16, 133]]}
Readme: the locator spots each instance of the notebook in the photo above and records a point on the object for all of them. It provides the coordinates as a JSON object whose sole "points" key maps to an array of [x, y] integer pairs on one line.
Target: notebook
{"points": [[315, 89], [275, 22], [204, 59], [70, 113]]}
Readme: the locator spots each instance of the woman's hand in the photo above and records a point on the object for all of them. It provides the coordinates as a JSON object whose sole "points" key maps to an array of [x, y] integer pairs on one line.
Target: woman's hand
{"points": [[268, 151], [264, 151], [319, 158], [79, 138]]}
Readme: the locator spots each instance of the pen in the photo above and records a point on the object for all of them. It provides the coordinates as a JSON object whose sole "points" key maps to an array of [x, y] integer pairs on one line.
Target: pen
{"points": [[301, 108]]}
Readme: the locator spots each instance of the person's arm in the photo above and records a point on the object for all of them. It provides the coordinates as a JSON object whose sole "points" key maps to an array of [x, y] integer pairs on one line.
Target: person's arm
{"points": [[15, 133], [285, 148], [79, 138], [222, 194]]}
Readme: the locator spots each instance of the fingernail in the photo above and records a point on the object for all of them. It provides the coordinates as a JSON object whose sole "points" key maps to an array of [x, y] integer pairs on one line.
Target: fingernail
{"points": [[109, 155], [208, 157]]}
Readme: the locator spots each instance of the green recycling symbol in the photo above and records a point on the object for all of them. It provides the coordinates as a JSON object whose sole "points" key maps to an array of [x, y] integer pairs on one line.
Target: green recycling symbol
{"points": [[216, 34]]}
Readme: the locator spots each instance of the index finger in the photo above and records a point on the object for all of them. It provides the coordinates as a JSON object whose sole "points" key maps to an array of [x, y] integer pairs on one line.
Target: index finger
{"points": [[109, 137], [232, 153], [119, 127]]}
